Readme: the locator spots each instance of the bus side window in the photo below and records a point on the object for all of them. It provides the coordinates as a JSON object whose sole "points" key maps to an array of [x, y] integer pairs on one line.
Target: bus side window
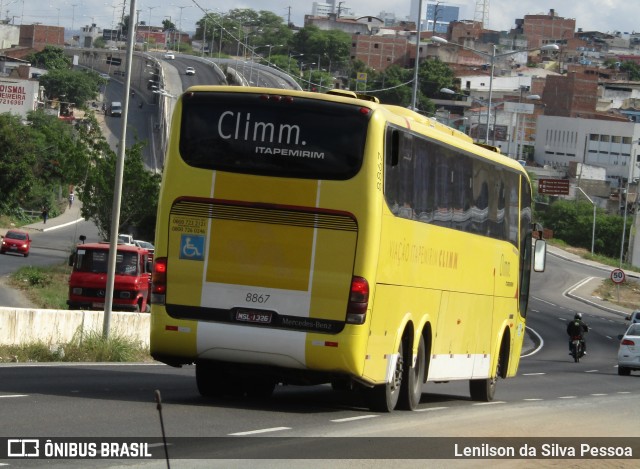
{"points": [[392, 171]]}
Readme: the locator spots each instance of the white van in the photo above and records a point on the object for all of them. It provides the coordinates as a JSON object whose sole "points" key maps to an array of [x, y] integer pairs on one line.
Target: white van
{"points": [[115, 109]]}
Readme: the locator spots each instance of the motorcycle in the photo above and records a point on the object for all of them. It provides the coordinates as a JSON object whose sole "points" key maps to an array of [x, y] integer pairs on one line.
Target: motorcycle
{"points": [[577, 351]]}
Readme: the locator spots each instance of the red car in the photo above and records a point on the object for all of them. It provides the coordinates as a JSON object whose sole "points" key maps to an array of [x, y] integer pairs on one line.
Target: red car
{"points": [[16, 241]]}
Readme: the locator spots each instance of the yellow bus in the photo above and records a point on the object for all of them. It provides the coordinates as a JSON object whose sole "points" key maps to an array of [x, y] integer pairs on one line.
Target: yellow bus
{"points": [[307, 238]]}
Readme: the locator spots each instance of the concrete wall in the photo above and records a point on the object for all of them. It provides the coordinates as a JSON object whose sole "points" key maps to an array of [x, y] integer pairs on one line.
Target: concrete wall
{"points": [[24, 326]]}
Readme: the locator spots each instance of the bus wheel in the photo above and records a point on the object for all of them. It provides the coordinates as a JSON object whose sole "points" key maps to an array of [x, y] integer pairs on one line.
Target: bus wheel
{"points": [[208, 380], [411, 390], [384, 397], [260, 388], [485, 389]]}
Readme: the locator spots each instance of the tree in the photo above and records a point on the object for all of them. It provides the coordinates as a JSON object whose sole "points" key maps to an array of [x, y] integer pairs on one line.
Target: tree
{"points": [[393, 89], [61, 154], [100, 43], [433, 75], [50, 58], [140, 191], [326, 46], [16, 162], [572, 221], [71, 86], [167, 25], [632, 69]]}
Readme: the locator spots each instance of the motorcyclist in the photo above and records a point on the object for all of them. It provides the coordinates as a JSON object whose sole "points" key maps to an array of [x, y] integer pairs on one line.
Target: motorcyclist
{"points": [[578, 328]]}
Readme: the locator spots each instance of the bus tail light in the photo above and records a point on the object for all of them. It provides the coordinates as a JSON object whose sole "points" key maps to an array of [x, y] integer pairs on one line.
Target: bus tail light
{"points": [[358, 301], [159, 281]]}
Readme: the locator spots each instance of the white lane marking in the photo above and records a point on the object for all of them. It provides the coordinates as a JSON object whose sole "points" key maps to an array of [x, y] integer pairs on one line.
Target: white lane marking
{"points": [[429, 409], [543, 301], [351, 419], [567, 397], [570, 290], [533, 374], [490, 403], [540, 343], [15, 395], [591, 371], [532, 399], [263, 430], [600, 394]]}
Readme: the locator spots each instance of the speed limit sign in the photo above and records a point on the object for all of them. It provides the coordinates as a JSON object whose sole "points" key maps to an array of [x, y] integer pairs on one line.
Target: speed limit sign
{"points": [[617, 276]]}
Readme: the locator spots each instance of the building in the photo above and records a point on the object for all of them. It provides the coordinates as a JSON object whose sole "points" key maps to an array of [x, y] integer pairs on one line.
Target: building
{"points": [[379, 52], [364, 25], [9, 36], [37, 36], [439, 16], [330, 7], [541, 30], [562, 141]]}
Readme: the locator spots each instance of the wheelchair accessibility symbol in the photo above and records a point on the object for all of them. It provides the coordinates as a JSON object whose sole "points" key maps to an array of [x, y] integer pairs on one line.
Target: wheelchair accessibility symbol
{"points": [[192, 247]]}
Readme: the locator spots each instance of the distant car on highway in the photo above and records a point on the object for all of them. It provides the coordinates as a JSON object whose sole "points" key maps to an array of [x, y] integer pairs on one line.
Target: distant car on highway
{"points": [[634, 317], [115, 109], [629, 350], [190, 71], [169, 55], [105, 76], [16, 241]]}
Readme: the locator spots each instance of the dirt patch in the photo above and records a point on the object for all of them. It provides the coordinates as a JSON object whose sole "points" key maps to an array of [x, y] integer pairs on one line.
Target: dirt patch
{"points": [[626, 295]]}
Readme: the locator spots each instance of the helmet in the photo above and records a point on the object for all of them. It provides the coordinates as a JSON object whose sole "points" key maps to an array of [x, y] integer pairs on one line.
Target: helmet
{"points": [[578, 316]]}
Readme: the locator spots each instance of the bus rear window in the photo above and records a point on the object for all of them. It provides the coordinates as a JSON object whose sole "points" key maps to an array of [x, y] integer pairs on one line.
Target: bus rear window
{"points": [[272, 135]]}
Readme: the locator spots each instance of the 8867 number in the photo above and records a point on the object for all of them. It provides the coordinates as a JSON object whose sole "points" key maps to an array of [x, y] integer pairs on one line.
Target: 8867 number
{"points": [[256, 298]]}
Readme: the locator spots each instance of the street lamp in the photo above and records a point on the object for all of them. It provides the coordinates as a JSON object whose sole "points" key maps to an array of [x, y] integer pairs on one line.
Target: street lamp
{"points": [[180, 24], [632, 160], [593, 230], [149, 26], [290, 57], [414, 95], [302, 73]]}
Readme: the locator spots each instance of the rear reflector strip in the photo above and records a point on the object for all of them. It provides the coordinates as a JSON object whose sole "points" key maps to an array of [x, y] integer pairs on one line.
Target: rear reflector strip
{"points": [[324, 343], [177, 329]]}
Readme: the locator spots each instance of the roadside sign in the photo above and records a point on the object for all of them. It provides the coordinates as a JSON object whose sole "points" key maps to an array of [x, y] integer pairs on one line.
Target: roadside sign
{"points": [[553, 186], [617, 276]]}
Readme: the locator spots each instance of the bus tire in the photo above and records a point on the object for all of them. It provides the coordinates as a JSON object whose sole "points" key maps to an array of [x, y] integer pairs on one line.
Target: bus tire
{"points": [[260, 388], [411, 391], [624, 371], [484, 390], [206, 380], [384, 397]]}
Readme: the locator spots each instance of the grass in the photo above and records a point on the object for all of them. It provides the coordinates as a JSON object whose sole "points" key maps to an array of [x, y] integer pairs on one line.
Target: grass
{"points": [[89, 347], [47, 288]]}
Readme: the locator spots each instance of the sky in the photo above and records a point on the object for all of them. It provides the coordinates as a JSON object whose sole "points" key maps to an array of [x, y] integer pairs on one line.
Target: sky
{"points": [[600, 15]]}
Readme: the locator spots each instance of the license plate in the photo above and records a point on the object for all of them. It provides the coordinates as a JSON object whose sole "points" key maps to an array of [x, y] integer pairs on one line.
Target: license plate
{"points": [[13, 248], [259, 317], [98, 305]]}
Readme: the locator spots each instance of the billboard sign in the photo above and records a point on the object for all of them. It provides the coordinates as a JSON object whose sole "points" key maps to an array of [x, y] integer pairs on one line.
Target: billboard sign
{"points": [[18, 96], [553, 186]]}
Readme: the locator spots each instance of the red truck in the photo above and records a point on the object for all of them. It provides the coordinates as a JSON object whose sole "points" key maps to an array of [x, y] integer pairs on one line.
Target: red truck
{"points": [[88, 280]]}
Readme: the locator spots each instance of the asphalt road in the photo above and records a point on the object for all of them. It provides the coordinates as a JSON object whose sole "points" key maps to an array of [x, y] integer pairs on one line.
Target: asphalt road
{"points": [[552, 398]]}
